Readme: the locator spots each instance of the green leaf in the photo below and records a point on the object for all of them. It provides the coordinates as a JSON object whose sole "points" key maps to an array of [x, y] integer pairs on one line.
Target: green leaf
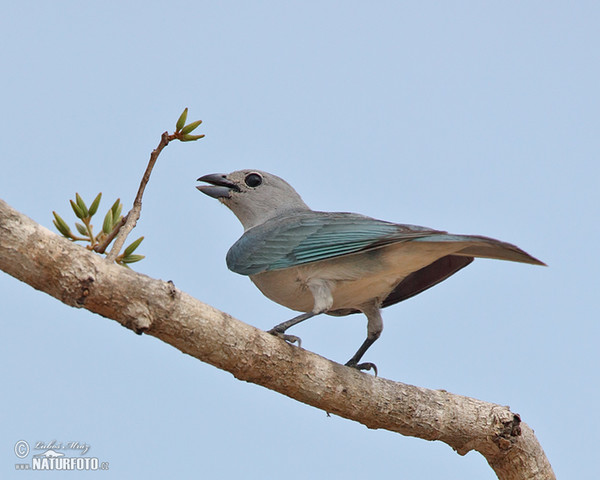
{"points": [[133, 258], [131, 248], [77, 210], [107, 225], [58, 228], [95, 204], [191, 127], [115, 205], [190, 138], [116, 217], [181, 120], [81, 229], [81, 204], [61, 225], [116, 212]]}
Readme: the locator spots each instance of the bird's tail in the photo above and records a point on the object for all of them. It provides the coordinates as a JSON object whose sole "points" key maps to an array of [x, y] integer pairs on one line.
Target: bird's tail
{"points": [[483, 247]]}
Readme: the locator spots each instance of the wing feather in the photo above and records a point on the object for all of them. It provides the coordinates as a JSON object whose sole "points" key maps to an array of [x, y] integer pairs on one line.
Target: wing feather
{"points": [[307, 237]]}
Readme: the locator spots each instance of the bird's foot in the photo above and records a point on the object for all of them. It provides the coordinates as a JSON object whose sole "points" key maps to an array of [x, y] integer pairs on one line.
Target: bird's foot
{"points": [[362, 366], [288, 338]]}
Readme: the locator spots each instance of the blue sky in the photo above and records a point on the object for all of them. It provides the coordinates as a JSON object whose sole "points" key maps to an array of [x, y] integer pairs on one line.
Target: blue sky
{"points": [[470, 117]]}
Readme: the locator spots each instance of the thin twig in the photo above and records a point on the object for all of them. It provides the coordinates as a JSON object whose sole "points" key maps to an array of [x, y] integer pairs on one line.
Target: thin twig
{"points": [[101, 247], [130, 220]]}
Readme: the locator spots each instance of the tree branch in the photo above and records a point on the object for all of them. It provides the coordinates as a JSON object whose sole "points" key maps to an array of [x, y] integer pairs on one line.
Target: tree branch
{"points": [[82, 279]]}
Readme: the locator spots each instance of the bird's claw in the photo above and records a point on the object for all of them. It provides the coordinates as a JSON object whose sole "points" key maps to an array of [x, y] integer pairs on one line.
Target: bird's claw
{"points": [[362, 366], [288, 338]]}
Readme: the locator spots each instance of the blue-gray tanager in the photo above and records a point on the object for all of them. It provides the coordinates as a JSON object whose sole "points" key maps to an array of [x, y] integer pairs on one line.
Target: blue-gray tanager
{"points": [[337, 263]]}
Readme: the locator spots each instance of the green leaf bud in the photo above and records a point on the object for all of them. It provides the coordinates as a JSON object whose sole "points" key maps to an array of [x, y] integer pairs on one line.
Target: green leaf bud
{"points": [[95, 204], [115, 205], [116, 216], [81, 229], [131, 248], [81, 204], [181, 120], [190, 138], [191, 127], [107, 225], [132, 258], [77, 210], [61, 225]]}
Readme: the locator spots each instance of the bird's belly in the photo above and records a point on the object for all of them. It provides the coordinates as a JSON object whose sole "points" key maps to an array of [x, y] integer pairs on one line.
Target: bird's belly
{"points": [[354, 280], [285, 287]]}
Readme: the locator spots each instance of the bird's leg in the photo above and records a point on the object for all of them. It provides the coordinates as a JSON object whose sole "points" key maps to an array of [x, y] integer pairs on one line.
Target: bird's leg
{"points": [[374, 329], [321, 292], [353, 362], [279, 330], [323, 299]]}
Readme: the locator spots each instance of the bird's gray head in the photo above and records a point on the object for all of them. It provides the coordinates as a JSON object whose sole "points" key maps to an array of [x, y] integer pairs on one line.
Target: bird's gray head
{"points": [[252, 195]]}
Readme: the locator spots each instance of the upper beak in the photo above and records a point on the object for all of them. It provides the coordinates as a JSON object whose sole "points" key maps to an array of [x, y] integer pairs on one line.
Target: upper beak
{"points": [[220, 186]]}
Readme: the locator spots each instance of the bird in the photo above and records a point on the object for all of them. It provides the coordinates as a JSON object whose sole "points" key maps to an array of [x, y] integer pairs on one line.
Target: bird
{"points": [[337, 263]]}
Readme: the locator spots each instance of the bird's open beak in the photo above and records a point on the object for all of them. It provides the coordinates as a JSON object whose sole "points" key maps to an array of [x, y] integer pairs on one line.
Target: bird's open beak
{"points": [[220, 186]]}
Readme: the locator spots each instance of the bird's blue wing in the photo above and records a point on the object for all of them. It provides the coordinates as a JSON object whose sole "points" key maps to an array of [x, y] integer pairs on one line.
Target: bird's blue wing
{"points": [[307, 237]]}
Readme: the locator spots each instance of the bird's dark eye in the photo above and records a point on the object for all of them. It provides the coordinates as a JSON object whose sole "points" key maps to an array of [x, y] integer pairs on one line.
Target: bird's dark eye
{"points": [[253, 180]]}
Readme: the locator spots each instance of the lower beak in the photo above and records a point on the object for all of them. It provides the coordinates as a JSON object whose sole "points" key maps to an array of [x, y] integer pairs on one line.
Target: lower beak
{"points": [[220, 186]]}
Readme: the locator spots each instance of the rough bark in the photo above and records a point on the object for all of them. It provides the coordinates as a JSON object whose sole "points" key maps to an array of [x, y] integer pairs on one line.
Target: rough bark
{"points": [[82, 279]]}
